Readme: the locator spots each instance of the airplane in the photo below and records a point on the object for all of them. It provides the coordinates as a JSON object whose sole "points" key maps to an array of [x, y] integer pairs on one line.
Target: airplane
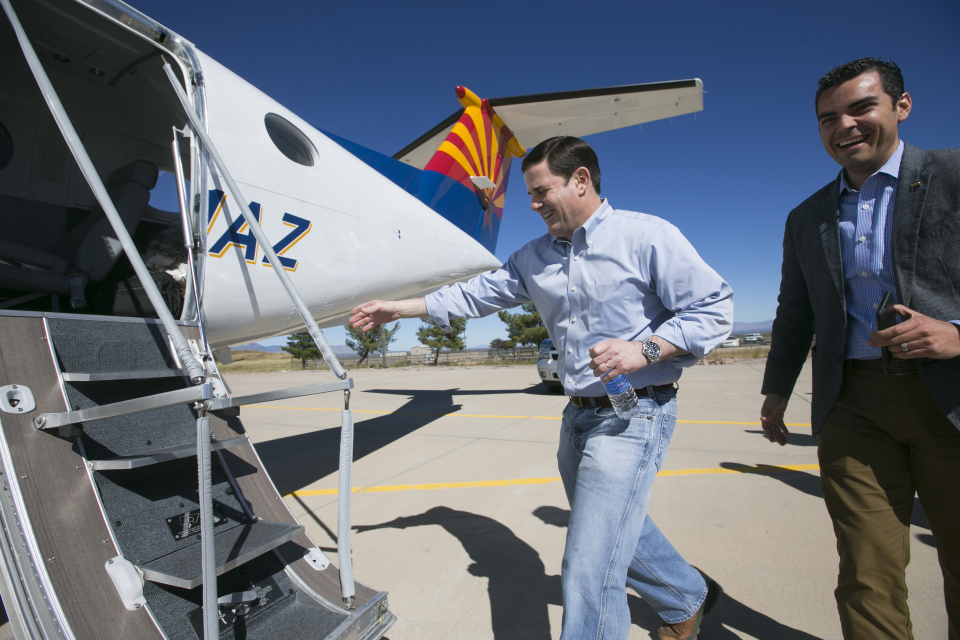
{"points": [[96, 100]]}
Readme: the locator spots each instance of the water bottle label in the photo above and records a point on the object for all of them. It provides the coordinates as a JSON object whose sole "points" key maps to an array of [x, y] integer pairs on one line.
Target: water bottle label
{"points": [[618, 385]]}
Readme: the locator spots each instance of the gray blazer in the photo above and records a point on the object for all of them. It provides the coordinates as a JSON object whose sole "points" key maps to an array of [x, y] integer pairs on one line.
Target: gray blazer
{"points": [[926, 266]]}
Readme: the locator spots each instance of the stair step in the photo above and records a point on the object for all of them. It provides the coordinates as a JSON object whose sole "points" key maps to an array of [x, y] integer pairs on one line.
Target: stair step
{"points": [[283, 612], [122, 375], [92, 346], [233, 547], [159, 455]]}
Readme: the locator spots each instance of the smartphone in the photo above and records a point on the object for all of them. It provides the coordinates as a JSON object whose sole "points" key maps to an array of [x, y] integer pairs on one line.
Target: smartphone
{"points": [[886, 319]]}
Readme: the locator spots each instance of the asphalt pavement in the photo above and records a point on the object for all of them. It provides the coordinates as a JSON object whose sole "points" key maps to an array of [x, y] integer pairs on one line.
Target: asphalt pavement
{"points": [[460, 514]]}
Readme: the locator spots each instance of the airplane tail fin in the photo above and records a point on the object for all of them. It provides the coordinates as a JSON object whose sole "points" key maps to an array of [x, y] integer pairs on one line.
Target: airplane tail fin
{"points": [[466, 179]]}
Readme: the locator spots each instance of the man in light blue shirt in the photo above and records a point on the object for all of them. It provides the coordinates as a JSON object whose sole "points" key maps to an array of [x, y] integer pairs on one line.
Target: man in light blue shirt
{"points": [[619, 293]]}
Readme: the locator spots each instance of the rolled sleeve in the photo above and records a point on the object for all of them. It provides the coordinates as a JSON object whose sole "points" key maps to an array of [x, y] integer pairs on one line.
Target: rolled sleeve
{"points": [[702, 302]]}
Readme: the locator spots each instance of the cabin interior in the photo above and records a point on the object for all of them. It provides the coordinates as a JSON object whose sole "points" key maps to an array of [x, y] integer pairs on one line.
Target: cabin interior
{"points": [[58, 251]]}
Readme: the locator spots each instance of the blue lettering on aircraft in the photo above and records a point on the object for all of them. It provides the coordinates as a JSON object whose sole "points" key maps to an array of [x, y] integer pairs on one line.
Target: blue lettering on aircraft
{"points": [[234, 236], [301, 227]]}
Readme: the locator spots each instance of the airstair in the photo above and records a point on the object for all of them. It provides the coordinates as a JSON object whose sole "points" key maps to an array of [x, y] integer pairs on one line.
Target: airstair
{"points": [[133, 503], [100, 469]]}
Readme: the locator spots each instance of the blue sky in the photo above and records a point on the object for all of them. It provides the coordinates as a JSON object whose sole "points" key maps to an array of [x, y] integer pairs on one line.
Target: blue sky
{"points": [[381, 74]]}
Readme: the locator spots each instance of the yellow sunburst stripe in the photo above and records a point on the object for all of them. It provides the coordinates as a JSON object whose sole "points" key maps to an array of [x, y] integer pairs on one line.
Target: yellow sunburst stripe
{"points": [[477, 116], [433, 486], [475, 415], [451, 150], [461, 131]]}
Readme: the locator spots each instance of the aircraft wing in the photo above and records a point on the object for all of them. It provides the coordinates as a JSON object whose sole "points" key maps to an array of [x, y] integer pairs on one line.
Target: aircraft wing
{"points": [[534, 118]]}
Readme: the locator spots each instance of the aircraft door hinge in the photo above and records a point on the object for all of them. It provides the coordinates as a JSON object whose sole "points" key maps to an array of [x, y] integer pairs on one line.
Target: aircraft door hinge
{"points": [[198, 79]]}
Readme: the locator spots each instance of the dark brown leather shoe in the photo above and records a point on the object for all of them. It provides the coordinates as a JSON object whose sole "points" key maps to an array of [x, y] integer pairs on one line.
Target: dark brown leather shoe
{"points": [[689, 629]]}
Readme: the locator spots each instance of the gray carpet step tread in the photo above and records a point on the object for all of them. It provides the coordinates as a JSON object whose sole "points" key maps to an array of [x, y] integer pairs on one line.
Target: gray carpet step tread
{"points": [[233, 547], [285, 614], [90, 346]]}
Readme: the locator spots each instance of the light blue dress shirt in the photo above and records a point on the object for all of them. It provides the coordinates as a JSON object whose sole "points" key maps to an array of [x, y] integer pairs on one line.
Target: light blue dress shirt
{"points": [[865, 238], [624, 275]]}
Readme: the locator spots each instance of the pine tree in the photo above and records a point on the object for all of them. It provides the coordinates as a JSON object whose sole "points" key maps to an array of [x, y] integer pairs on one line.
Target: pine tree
{"points": [[302, 347], [366, 343], [433, 336], [524, 328]]}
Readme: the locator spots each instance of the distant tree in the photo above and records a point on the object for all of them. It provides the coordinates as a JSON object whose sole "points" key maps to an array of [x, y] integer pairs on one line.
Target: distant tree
{"points": [[366, 343], [524, 328], [498, 343], [302, 347], [433, 336]]}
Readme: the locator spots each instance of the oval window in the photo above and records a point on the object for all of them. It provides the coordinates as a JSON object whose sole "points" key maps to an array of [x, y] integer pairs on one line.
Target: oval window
{"points": [[290, 141]]}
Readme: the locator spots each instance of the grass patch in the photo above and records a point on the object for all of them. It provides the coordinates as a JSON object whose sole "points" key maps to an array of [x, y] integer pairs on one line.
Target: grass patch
{"points": [[739, 352], [250, 361]]}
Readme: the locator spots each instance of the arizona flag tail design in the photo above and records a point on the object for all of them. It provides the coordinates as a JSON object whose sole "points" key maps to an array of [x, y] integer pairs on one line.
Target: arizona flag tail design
{"points": [[466, 179]]}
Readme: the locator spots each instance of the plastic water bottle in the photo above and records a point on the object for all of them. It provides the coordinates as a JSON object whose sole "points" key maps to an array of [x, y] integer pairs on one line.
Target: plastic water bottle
{"points": [[623, 397]]}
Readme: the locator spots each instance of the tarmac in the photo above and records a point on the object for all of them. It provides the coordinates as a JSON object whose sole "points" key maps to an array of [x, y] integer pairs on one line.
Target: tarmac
{"points": [[458, 510]]}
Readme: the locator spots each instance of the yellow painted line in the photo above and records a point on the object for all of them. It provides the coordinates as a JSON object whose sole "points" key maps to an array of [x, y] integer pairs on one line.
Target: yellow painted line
{"points": [[750, 424], [760, 469], [474, 415]]}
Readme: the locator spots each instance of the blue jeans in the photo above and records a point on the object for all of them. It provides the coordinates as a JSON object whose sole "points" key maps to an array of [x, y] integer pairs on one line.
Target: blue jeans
{"points": [[608, 466]]}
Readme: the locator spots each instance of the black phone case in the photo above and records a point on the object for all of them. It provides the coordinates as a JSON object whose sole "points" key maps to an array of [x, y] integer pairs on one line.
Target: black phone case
{"points": [[885, 321]]}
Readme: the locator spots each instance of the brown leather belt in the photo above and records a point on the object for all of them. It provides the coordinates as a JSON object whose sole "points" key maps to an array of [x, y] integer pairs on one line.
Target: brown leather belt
{"points": [[604, 401], [895, 368]]}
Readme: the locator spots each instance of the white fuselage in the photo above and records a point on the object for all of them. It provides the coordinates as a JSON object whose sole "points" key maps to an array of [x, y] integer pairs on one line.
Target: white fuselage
{"points": [[367, 238]]}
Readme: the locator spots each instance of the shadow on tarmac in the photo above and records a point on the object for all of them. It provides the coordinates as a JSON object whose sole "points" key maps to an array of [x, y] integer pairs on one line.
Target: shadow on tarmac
{"points": [[728, 612], [517, 584], [797, 439], [297, 461], [810, 484]]}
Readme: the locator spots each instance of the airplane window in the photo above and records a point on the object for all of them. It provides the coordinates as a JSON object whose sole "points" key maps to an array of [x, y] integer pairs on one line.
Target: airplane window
{"points": [[289, 140]]}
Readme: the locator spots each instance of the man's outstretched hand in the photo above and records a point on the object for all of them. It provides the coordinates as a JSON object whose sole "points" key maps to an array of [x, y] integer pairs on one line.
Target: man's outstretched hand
{"points": [[923, 336], [771, 418], [377, 312]]}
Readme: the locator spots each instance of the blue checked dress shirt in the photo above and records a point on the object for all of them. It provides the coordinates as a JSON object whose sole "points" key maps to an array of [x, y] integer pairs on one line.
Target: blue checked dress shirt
{"points": [[865, 227], [624, 275], [866, 221]]}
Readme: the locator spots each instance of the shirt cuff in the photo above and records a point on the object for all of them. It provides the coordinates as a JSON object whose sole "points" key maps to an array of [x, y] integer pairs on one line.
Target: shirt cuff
{"points": [[440, 319]]}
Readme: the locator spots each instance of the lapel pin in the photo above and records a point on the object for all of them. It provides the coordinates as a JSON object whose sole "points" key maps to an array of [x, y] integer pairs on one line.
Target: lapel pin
{"points": [[915, 186]]}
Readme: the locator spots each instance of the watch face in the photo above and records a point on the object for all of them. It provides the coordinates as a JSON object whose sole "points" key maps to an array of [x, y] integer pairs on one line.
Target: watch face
{"points": [[652, 350]]}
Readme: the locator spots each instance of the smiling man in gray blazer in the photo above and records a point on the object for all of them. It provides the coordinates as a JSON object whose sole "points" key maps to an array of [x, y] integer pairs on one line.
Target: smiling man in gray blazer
{"points": [[889, 222]]}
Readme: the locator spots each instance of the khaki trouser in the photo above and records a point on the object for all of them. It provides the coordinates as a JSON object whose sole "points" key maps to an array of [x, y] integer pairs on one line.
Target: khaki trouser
{"points": [[884, 441]]}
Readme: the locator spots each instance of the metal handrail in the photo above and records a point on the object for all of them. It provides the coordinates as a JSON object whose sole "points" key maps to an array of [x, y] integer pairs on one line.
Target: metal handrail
{"points": [[125, 407], [194, 368], [282, 394], [257, 231]]}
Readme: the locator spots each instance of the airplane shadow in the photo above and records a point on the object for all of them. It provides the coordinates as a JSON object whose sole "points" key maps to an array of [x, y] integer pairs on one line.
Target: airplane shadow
{"points": [[797, 439], [810, 484], [517, 584], [728, 611], [299, 460]]}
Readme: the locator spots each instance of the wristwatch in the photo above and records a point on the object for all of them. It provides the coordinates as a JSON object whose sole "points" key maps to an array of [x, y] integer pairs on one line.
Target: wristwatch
{"points": [[652, 350]]}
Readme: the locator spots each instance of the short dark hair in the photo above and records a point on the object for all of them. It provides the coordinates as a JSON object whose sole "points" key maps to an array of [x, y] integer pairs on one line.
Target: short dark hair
{"points": [[564, 155], [890, 77]]}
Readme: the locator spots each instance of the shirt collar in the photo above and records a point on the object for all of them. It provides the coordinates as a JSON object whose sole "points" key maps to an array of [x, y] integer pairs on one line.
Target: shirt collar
{"points": [[589, 228], [891, 167]]}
